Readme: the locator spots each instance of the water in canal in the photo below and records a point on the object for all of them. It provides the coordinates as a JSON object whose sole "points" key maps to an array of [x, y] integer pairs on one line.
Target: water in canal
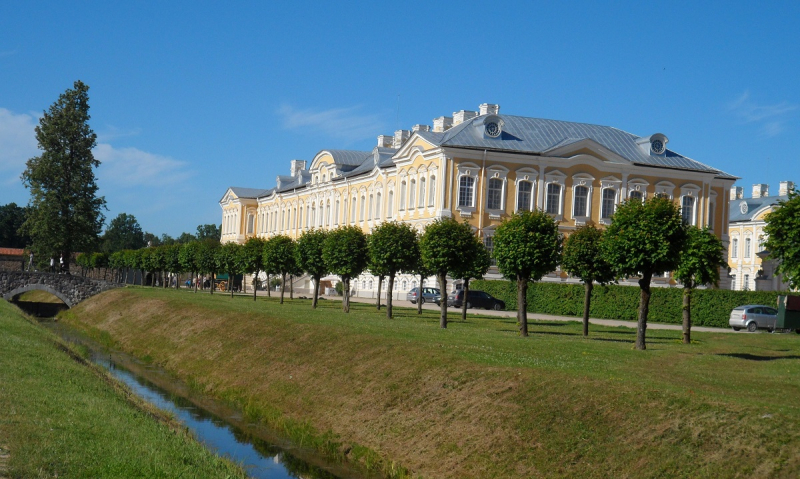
{"points": [[228, 436]]}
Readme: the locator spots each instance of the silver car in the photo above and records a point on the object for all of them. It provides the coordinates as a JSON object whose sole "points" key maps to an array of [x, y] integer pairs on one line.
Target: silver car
{"points": [[753, 317], [428, 295]]}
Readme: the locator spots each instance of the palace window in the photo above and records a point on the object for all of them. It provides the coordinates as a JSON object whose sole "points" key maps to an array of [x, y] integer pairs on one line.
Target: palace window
{"points": [[250, 222], [402, 195], [369, 212], [432, 192], [421, 192], [581, 206], [494, 194], [607, 208], [553, 201], [390, 204], [412, 194], [687, 210], [524, 195], [747, 247], [361, 210], [488, 241], [636, 195], [378, 205], [735, 248], [466, 187]]}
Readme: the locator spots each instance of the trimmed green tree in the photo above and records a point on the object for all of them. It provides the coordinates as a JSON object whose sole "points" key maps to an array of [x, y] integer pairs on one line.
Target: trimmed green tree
{"points": [[172, 263], [207, 261], [345, 252], [308, 253], [527, 246], [393, 247], [280, 255], [229, 260], [783, 238], [64, 213], [253, 259], [701, 258], [584, 259], [443, 247], [124, 232], [644, 238], [188, 258], [476, 263]]}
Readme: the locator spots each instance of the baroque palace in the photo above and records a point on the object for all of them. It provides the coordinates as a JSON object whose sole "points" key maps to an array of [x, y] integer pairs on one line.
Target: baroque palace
{"points": [[480, 166]]}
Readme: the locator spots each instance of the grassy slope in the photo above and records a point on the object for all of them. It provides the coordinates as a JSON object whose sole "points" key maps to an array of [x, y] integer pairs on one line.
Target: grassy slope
{"points": [[60, 418], [475, 400]]}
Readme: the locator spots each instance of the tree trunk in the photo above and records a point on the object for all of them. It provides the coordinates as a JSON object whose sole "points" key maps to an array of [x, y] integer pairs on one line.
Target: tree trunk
{"points": [[213, 283], [389, 296], [687, 313], [522, 305], [346, 298], [420, 299], [465, 287], [316, 291], [283, 285], [380, 283], [291, 286], [255, 285], [644, 308], [269, 286], [443, 309], [587, 305], [230, 284], [196, 281]]}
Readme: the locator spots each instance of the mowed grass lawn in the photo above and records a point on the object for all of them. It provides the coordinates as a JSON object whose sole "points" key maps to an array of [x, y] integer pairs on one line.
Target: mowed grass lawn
{"points": [[61, 418], [475, 400]]}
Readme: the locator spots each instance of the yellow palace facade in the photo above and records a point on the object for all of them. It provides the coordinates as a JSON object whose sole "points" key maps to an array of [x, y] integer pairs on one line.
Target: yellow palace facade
{"points": [[479, 166]]}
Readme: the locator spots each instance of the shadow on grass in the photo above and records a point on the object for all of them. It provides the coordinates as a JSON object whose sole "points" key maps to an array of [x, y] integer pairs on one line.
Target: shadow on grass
{"points": [[754, 357]]}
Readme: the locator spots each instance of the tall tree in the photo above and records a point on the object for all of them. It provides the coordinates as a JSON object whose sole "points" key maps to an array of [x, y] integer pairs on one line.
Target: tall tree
{"points": [[700, 261], [644, 238], [64, 213], [279, 253], [583, 259], [206, 261], [393, 247], [188, 259], [172, 263], [11, 219], [310, 259], [345, 253], [783, 238], [205, 232], [124, 232], [443, 247], [527, 246], [476, 263]]}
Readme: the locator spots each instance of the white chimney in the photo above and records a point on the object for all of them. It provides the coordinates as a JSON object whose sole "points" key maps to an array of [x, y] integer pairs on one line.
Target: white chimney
{"points": [[443, 123], [462, 116], [489, 109], [400, 137], [760, 190], [416, 128], [385, 141], [296, 167], [737, 192], [785, 188]]}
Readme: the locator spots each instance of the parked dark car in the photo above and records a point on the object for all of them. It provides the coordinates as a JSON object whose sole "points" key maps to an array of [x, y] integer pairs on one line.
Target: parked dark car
{"points": [[475, 299], [753, 317], [429, 295]]}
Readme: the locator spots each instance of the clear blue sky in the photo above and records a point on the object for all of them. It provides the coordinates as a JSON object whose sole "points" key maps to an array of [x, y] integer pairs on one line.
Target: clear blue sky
{"points": [[189, 98]]}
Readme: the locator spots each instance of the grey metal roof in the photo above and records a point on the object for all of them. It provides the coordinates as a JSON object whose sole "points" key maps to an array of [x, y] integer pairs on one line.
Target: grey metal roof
{"points": [[539, 136], [348, 157], [250, 193], [754, 205]]}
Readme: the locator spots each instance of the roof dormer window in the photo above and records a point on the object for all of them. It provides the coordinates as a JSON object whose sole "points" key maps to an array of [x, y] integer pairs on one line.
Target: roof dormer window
{"points": [[655, 144], [492, 126]]}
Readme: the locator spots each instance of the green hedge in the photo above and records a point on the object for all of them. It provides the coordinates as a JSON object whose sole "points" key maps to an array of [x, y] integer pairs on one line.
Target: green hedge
{"points": [[710, 307]]}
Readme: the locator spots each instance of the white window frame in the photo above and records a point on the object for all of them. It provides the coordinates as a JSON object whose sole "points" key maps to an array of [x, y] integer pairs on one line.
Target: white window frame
{"points": [[471, 171], [529, 175], [432, 190], [608, 183], [664, 188], [586, 181], [735, 248], [555, 178], [691, 191]]}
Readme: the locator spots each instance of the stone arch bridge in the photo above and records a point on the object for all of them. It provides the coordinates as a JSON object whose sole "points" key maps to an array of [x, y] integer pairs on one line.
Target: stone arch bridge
{"points": [[70, 289]]}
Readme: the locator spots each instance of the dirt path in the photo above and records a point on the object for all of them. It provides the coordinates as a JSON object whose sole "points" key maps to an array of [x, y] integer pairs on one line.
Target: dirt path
{"points": [[3, 463]]}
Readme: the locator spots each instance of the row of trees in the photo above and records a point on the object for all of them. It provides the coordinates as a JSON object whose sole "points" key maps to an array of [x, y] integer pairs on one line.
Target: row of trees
{"points": [[645, 238]]}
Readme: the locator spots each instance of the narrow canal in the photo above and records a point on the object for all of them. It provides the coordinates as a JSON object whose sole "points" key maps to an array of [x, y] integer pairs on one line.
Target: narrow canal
{"points": [[262, 452]]}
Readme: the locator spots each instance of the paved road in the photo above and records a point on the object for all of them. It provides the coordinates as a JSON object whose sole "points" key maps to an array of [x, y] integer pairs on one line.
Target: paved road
{"points": [[549, 317]]}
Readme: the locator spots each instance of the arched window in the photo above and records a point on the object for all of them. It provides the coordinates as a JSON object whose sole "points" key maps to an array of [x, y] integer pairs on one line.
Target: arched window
{"points": [[390, 204], [494, 194], [580, 209], [378, 205], [361, 211], [607, 207], [363, 284], [466, 186], [432, 192], [370, 284], [747, 243], [250, 223], [553, 205], [636, 195], [336, 214], [405, 285], [353, 211], [735, 248], [402, 196], [412, 194], [687, 210], [369, 212], [421, 192], [524, 195]]}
